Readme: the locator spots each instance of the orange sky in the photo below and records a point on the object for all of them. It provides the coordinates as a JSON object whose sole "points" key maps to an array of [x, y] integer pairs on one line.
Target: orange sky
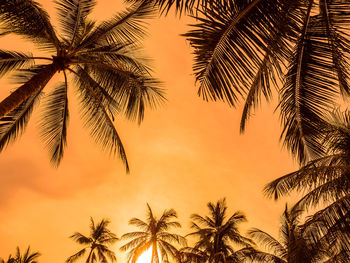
{"points": [[186, 153]]}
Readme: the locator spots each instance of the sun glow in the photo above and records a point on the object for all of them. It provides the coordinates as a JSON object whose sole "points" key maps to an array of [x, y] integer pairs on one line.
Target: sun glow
{"points": [[146, 256]]}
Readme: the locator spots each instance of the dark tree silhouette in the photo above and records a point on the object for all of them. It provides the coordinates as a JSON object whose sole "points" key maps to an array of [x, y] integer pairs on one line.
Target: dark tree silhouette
{"points": [[215, 236], [244, 49], [96, 244], [154, 234], [26, 257], [10, 259], [298, 242], [325, 180], [100, 57]]}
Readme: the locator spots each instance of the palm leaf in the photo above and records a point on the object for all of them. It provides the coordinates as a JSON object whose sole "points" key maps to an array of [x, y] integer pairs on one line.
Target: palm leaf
{"points": [[337, 39], [10, 60], [124, 27], [72, 17], [229, 43], [135, 243], [81, 239], [97, 119], [310, 89], [103, 251], [14, 123], [139, 223], [180, 6], [268, 241], [27, 18], [55, 121], [132, 92]]}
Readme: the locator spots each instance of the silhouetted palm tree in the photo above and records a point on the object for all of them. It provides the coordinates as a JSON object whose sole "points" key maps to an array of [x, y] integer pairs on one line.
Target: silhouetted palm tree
{"points": [[154, 233], [108, 78], [10, 259], [245, 48], [215, 236], [298, 243], [325, 180], [96, 243], [27, 257]]}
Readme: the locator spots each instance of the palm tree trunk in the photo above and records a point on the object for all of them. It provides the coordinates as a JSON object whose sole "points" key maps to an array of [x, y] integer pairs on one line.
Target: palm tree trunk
{"points": [[154, 251], [36, 83], [88, 259]]}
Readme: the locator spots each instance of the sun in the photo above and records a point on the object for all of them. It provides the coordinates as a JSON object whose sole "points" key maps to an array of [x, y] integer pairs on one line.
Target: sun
{"points": [[146, 256]]}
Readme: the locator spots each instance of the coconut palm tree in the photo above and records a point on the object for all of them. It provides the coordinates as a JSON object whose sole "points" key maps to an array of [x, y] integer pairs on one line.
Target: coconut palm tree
{"points": [[109, 79], [96, 243], [243, 49], [26, 257], [10, 259], [216, 235], [298, 243], [325, 180], [154, 234]]}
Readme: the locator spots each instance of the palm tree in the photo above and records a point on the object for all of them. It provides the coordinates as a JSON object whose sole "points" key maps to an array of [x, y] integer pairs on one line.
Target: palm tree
{"points": [[10, 259], [96, 243], [216, 235], [27, 257], [298, 243], [154, 233], [325, 180], [244, 49], [100, 57]]}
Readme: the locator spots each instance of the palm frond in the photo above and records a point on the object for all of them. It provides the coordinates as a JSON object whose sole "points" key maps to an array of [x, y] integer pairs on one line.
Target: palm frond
{"points": [[72, 17], [267, 75], [229, 42], [27, 18], [55, 121], [133, 92], [11, 60], [117, 55], [98, 120], [135, 243], [309, 90], [173, 238], [313, 174], [14, 123], [268, 241], [127, 26], [337, 39], [263, 257], [81, 239], [167, 248], [103, 251], [180, 6], [139, 223], [168, 214], [135, 234], [76, 256]]}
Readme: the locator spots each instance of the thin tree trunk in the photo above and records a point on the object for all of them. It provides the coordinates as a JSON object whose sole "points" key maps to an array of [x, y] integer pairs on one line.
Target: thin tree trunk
{"points": [[88, 259], [154, 251], [36, 83]]}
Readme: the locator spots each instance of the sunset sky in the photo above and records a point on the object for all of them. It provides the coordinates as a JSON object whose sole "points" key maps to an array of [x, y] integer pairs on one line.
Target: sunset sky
{"points": [[186, 153]]}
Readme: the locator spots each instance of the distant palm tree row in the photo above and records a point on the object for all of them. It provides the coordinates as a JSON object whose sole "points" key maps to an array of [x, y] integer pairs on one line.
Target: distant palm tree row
{"points": [[216, 239]]}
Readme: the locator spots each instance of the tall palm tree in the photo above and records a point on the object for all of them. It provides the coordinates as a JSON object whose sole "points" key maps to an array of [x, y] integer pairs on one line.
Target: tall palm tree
{"points": [[26, 257], [298, 243], [109, 79], [96, 243], [154, 234], [325, 180], [10, 259], [243, 49], [216, 235]]}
